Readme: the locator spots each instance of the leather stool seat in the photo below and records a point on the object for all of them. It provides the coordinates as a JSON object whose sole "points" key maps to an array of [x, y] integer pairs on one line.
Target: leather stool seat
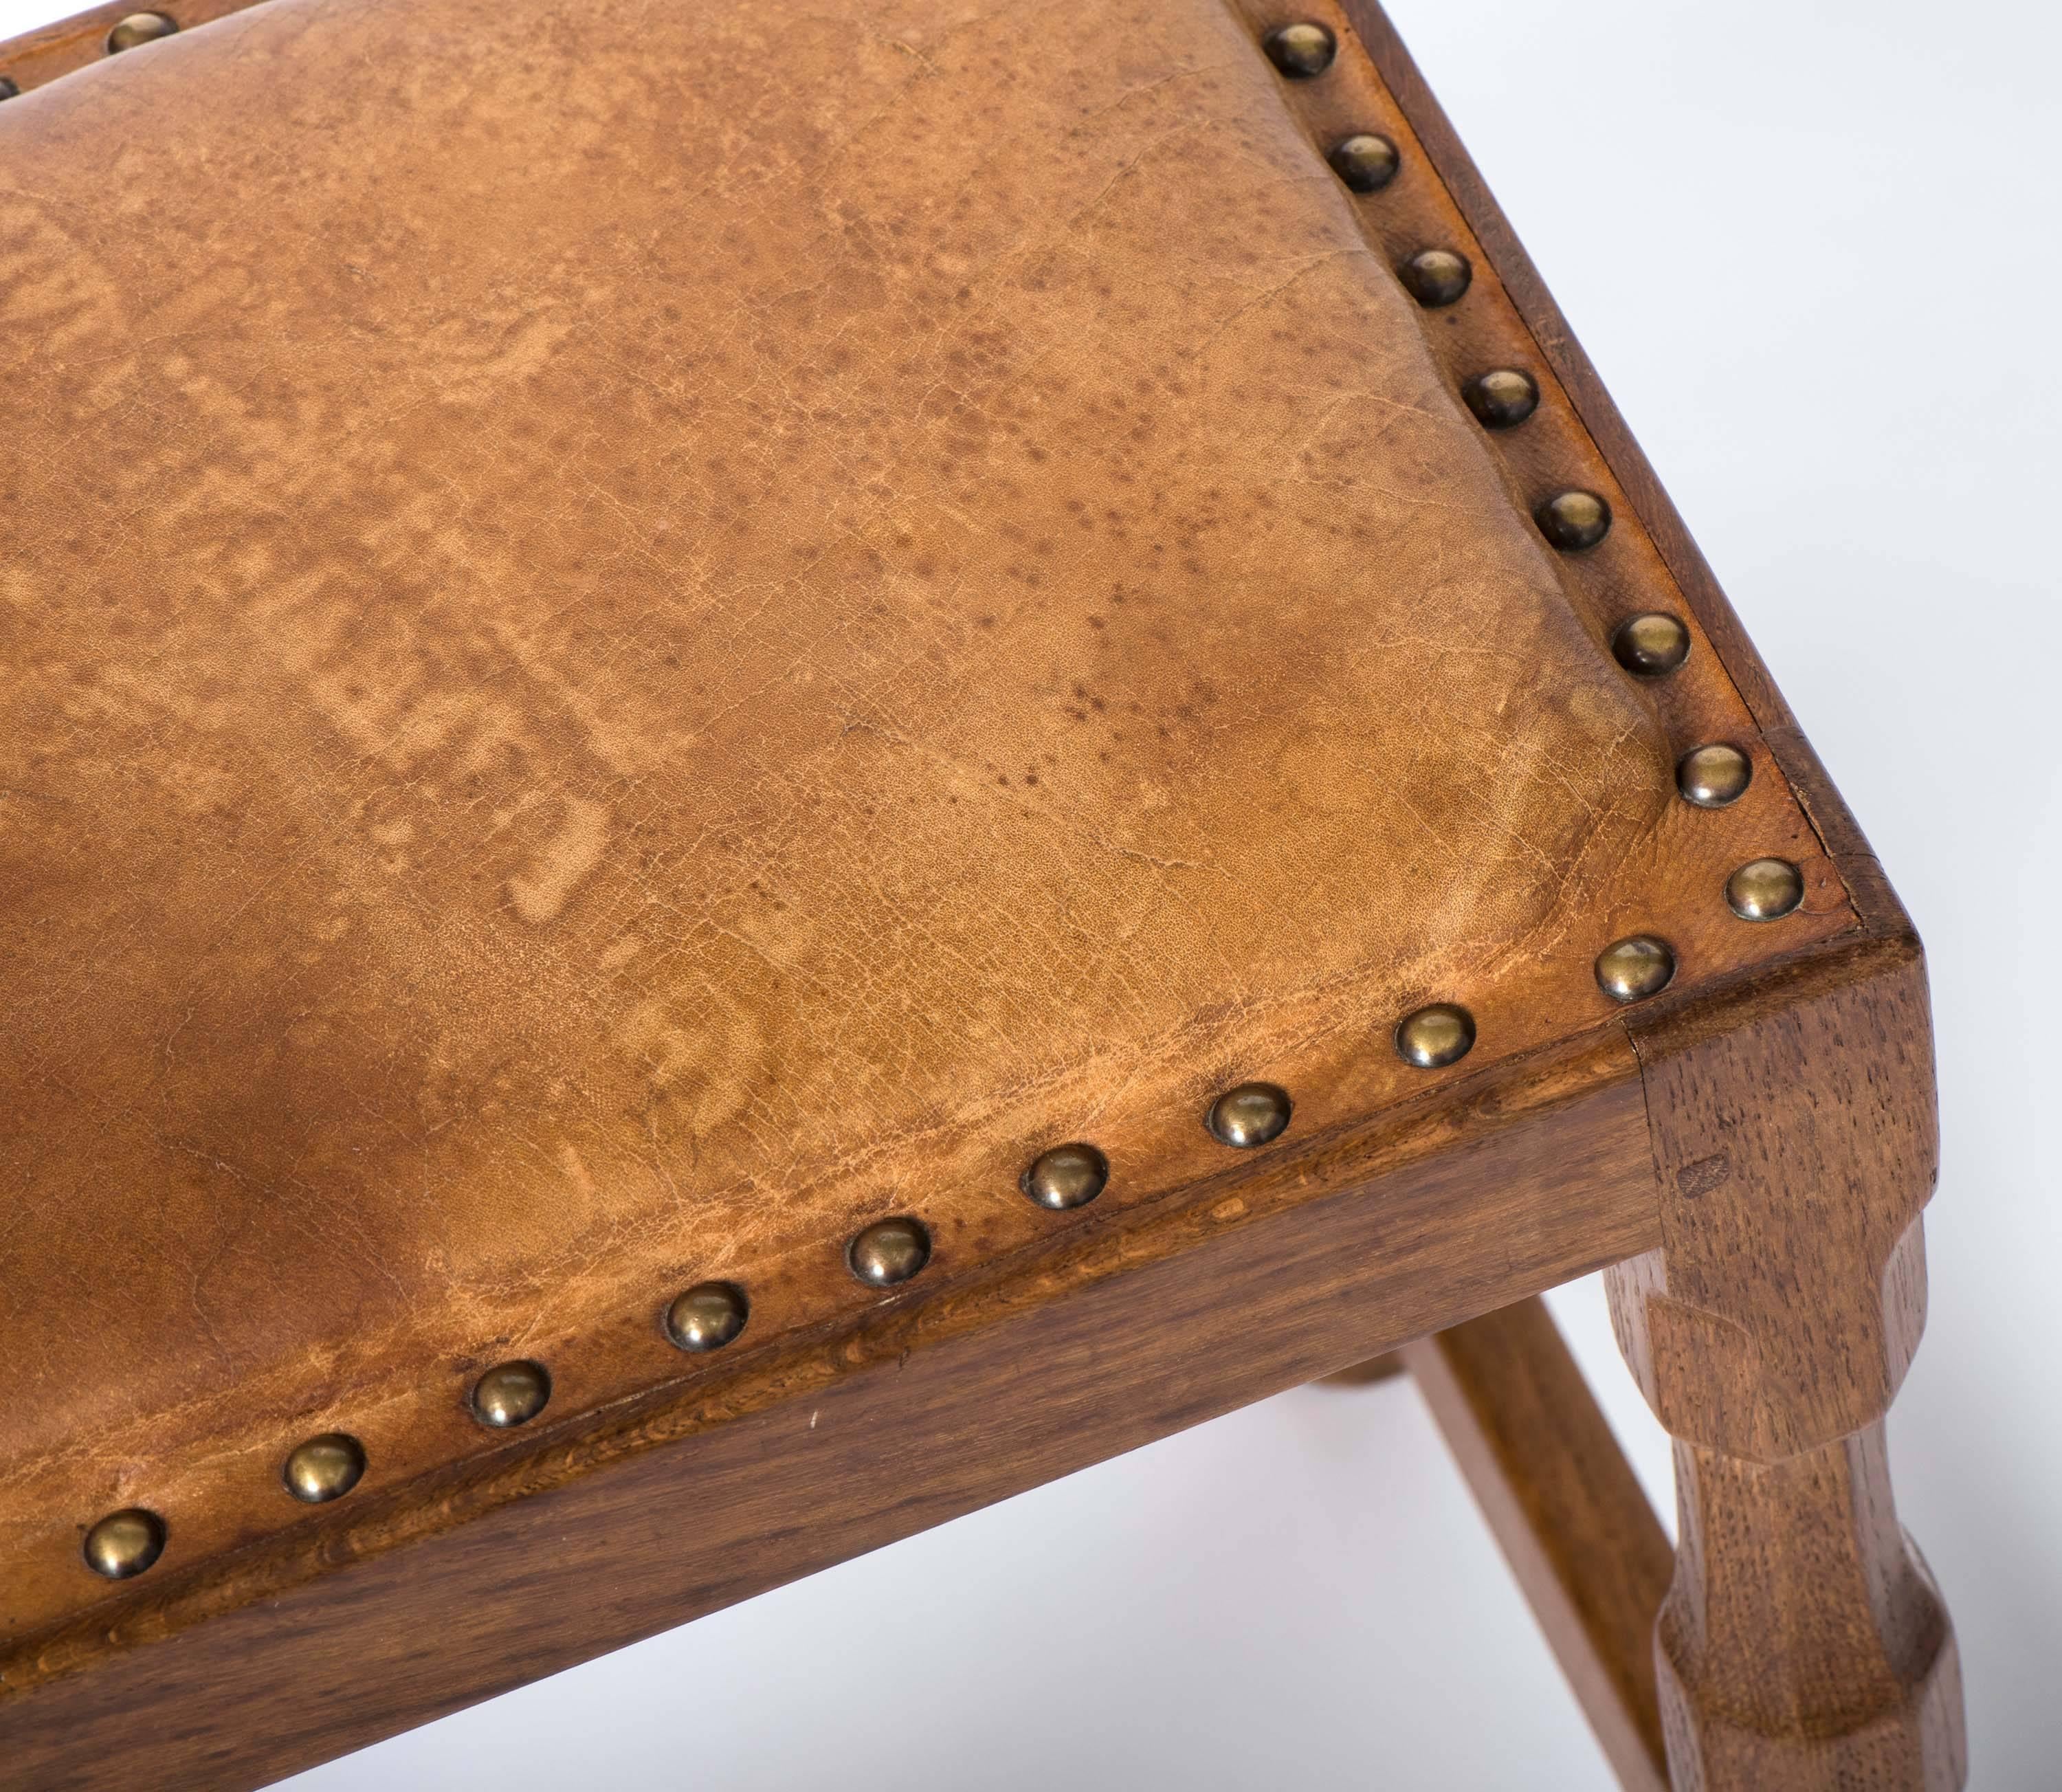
{"points": [[639, 638]]}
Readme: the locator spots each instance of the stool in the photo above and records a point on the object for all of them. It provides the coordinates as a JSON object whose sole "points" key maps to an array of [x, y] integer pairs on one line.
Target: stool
{"points": [[773, 768]]}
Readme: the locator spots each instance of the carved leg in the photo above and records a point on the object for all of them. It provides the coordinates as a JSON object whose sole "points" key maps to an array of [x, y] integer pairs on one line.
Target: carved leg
{"points": [[1803, 1644]]}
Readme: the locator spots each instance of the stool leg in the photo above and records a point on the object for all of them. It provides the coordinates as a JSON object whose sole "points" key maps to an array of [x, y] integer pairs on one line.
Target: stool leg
{"points": [[1803, 1647], [1803, 1643], [1565, 1505]]}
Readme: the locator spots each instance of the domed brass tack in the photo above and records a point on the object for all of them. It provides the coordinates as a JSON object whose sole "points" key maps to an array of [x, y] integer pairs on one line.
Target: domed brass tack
{"points": [[1714, 776], [324, 1468], [1436, 277], [1574, 520], [1765, 889], [125, 1543], [1252, 1114], [1502, 398], [889, 1252], [138, 28], [1300, 51], [511, 1394], [707, 1317], [1067, 1176], [1441, 1034], [1365, 162], [1651, 646], [1631, 970]]}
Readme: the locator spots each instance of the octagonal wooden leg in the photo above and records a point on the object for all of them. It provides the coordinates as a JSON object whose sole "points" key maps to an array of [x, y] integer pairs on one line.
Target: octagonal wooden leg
{"points": [[1803, 1644]]}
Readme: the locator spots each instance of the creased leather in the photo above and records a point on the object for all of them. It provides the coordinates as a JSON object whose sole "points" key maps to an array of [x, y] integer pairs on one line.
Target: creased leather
{"points": [[635, 636]]}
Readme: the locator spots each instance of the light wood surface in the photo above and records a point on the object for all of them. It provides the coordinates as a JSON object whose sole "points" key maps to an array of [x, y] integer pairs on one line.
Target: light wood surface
{"points": [[1567, 1510], [1751, 1153], [1803, 1643], [788, 1460]]}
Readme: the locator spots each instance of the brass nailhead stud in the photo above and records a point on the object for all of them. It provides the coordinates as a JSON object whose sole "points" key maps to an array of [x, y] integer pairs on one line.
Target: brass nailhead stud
{"points": [[707, 1317], [1631, 970], [1765, 889], [138, 28], [1502, 398], [1301, 50], [125, 1543], [511, 1393], [1067, 1176], [1574, 520], [1252, 1114], [1436, 277], [324, 1468], [1443, 1034], [1651, 646], [1714, 776], [1365, 162], [889, 1252]]}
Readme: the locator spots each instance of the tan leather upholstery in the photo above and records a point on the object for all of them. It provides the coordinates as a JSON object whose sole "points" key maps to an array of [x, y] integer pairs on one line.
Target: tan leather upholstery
{"points": [[637, 635]]}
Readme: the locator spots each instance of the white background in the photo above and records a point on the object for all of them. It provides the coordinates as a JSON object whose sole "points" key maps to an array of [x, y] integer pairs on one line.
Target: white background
{"points": [[1814, 249]]}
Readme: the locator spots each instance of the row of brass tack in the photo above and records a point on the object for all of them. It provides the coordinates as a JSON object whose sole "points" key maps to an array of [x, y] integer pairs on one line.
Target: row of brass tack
{"points": [[890, 1252]]}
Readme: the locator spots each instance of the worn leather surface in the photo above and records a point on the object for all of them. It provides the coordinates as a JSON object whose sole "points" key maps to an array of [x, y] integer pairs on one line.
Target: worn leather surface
{"points": [[636, 636]]}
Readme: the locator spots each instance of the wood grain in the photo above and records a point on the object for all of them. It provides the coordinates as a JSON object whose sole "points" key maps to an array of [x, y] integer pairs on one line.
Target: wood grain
{"points": [[371, 1621], [1370, 1374], [1571, 1517], [727, 1052], [1803, 1644], [42, 55]]}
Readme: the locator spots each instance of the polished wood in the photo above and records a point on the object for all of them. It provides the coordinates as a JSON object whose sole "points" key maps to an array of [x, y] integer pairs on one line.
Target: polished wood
{"points": [[1371, 1373], [1567, 1510], [1804, 1646], [1472, 824], [1803, 1643], [788, 1460], [42, 55]]}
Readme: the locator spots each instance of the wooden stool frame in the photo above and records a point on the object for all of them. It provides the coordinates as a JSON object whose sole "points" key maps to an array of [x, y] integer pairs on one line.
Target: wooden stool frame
{"points": [[1748, 1164]]}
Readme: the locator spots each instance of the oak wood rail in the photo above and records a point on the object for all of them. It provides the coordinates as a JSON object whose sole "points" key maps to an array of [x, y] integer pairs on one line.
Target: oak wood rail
{"points": [[1577, 1530]]}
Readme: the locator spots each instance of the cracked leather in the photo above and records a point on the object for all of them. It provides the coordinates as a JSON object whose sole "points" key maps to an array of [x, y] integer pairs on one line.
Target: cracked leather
{"points": [[635, 636]]}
